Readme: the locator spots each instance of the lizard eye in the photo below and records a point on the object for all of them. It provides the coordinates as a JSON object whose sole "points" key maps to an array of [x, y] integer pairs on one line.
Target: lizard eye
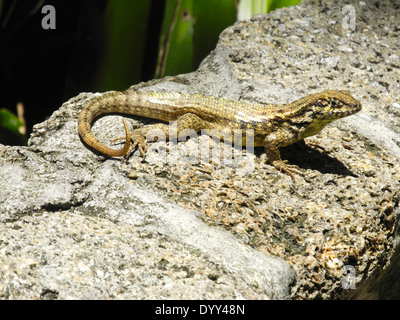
{"points": [[334, 104]]}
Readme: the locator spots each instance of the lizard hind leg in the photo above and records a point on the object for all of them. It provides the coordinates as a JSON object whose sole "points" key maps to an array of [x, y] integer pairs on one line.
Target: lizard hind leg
{"points": [[138, 140], [149, 133], [163, 131]]}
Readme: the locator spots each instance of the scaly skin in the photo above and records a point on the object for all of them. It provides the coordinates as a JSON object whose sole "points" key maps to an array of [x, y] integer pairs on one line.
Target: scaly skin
{"points": [[273, 125]]}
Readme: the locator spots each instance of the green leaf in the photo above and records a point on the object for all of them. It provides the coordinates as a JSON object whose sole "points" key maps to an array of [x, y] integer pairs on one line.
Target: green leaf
{"points": [[176, 40], [275, 4], [10, 121], [9, 129], [248, 8], [211, 18], [124, 42]]}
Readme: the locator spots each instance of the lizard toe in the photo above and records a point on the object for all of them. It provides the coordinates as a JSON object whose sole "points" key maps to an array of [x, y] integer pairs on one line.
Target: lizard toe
{"points": [[139, 141], [289, 169]]}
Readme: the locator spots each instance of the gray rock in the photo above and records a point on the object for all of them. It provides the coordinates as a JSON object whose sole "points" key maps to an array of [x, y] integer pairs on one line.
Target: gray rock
{"points": [[76, 228], [77, 225], [384, 284]]}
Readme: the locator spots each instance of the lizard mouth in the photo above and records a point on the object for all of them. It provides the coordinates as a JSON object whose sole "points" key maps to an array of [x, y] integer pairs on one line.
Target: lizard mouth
{"points": [[356, 108], [351, 111]]}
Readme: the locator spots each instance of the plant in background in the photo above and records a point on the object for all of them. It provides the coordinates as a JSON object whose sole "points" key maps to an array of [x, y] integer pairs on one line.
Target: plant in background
{"points": [[12, 128], [103, 45], [248, 8]]}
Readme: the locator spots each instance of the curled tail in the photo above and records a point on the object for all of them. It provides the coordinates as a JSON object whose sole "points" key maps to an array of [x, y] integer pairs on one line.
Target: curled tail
{"points": [[108, 103]]}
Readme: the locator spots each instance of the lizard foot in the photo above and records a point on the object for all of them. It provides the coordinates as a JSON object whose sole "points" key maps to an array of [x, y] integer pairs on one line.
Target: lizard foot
{"points": [[138, 141], [289, 169]]}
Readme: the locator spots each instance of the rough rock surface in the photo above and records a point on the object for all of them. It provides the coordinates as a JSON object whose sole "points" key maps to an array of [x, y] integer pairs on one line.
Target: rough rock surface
{"points": [[77, 225]]}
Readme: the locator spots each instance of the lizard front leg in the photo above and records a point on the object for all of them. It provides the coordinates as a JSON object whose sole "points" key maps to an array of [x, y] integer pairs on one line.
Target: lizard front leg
{"points": [[272, 143]]}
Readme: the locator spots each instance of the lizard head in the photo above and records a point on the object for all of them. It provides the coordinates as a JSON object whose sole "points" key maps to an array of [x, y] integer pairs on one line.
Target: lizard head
{"points": [[332, 104], [316, 111]]}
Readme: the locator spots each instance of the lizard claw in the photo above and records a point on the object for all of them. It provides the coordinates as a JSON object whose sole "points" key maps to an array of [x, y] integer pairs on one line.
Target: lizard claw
{"points": [[289, 169]]}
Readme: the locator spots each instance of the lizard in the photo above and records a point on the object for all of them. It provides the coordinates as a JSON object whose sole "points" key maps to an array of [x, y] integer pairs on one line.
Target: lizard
{"points": [[273, 125]]}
